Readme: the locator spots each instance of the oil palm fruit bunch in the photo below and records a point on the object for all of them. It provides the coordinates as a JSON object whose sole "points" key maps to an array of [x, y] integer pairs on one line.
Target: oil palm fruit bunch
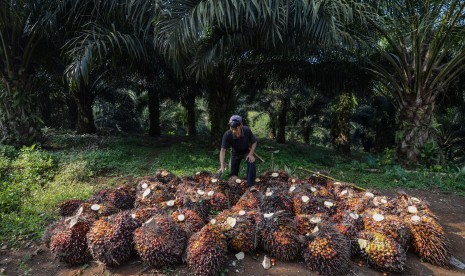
{"points": [[110, 239], [53, 229], [305, 223], [69, 244], [235, 188], [122, 198], [282, 176], [405, 205], [188, 220], [251, 199], [97, 210], [279, 236], [294, 181], [240, 230], [151, 194], [429, 239], [141, 215], [196, 204], [276, 199], [389, 225], [327, 251], [202, 178], [207, 251], [306, 203], [69, 207], [160, 242], [350, 225], [167, 177], [323, 192], [382, 251]]}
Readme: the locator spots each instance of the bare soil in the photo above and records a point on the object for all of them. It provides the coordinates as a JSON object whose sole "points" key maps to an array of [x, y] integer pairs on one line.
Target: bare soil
{"points": [[35, 259]]}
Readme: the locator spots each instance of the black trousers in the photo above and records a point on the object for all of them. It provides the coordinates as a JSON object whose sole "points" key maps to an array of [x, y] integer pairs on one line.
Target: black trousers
{"points": [[251, 168]]}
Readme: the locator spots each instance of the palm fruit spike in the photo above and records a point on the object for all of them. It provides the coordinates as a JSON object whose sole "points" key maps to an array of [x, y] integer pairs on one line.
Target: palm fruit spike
{"points": [[240, 230], [279, 236], [276, 199], [381, 251], [327, 251], [160, 242], [70, 244], [207, 251], [305, 223], [429, 239], [69, 207], [306, 203], [122, 198], [251, 199], [110, 239], [141, 215], [188, 220], [389, 225], [153, 194], [97, 210]]}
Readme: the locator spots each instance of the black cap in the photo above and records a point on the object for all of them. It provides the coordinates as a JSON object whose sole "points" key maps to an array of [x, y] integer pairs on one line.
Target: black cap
{"points": [[234, 124]]}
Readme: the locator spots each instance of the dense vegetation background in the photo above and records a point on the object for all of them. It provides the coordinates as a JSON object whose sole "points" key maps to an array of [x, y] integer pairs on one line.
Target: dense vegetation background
{"points": [[94, 93]]}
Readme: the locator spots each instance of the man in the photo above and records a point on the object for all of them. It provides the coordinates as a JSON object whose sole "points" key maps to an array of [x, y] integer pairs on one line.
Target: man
{"points": [[243, 144]]}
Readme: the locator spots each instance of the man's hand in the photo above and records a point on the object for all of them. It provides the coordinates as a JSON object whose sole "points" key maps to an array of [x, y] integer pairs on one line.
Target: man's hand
{"points": [[250, 158], [221, 170]]}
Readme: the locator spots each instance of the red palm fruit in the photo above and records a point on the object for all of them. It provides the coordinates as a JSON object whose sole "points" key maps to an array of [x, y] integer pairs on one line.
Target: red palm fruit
{"points": [[160, 242], [239, 228], [281, 176], [276, 199], [122, 198], [381, 251], [153, 194], [389, 225], [54, 228], [141, 215], [350, 225], [306, 203], [327, 251], [97, 210], [167, 177], [279, 236], [251, 199], [110, 239], [207, 251], [188, 220], [294, 181], [306, 223], [429, 239], [235, 188], [69, 207], [70, 244]]}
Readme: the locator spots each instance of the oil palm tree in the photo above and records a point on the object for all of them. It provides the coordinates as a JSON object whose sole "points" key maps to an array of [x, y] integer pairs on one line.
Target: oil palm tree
{"points": [[423, 49]]}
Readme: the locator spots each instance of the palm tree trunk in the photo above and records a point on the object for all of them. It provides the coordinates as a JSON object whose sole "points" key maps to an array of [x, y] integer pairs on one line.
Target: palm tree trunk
{"points": [[281, 135], [188, 101], [72, 112], [154, 112], [341, 127], [84, 99], [307, 132], [416, 119]]}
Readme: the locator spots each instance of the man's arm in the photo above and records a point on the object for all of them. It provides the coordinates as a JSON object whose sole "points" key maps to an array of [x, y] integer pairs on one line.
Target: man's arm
{"points": [[222, 156], [250, 156]]}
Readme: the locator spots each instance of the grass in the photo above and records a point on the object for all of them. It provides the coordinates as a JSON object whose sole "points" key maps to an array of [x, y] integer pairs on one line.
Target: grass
{"points": [[34, 181]]}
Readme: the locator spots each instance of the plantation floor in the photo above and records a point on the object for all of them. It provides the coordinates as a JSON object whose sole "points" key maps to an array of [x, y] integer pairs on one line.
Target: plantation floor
{"points": [[35, 259]]}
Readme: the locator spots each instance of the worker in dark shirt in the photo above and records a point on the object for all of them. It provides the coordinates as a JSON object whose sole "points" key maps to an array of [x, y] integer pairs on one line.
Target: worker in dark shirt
{"points": [[243, 144]]}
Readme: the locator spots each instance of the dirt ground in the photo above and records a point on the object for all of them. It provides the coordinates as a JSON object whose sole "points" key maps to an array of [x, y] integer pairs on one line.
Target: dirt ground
{"points": [[35, 259]]}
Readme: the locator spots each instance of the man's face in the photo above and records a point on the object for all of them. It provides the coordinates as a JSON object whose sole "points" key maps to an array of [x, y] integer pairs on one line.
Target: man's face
{"points": [[236, 131]]}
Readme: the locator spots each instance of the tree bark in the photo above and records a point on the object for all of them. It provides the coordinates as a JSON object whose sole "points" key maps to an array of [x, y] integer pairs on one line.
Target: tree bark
{"points": [[188, 101], [307, 132], [154, 112], [281, 134], [72, 112], [84, 99], [341, 125], [416, 118]]}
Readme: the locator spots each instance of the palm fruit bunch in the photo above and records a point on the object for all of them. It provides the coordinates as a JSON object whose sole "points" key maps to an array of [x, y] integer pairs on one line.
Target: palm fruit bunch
{"points": [[318, 179], [218, 201], [207, 251], [251, 199], [294, 181], [151, 194], [306, 203], [239, 228], [53, 229], [97, 210], [281, 176], [350, 225], [279, 236], [382, 251], [69, 244], [202, 178], [327, 251], [122, 198], [429, 239], [170, 180], [188, 220], [389, 225], [276, 199], [141, 215], [405, 205], [160, 242], [110, 239], [236, 188], [305, 223], [69, 207]]}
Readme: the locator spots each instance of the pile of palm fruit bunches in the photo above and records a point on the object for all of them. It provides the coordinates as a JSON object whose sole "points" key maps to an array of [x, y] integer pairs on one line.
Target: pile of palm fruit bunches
{"points": [[167, 220]]}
